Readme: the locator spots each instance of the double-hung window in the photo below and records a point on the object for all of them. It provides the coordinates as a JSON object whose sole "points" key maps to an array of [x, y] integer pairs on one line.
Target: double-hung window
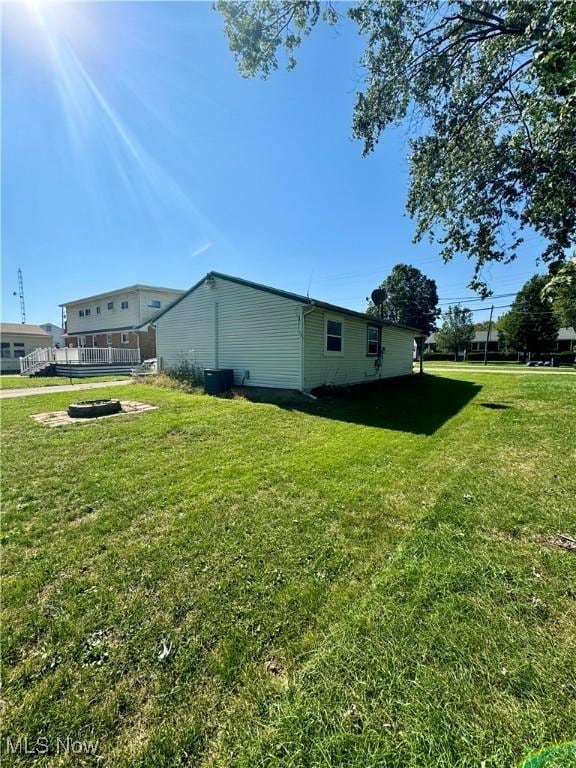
{"points": [[373, 340], [333, 343], [5, 349], [123, 305], [110, 305]]}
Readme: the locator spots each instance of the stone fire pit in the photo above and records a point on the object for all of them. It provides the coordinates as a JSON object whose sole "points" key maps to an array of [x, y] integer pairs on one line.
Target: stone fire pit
{"points": [[90, 409]]}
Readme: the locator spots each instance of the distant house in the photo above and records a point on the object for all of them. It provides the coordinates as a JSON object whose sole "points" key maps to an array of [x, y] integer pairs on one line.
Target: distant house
{"points": [[565, 342], [56, 332], [117, 318], [273, 338], [19, 340]]}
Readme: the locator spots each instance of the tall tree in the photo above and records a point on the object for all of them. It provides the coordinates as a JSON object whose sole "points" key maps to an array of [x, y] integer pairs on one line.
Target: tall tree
{"points": [[530, 325], [561, 291], [489, 91], [456, 331], [407, 297]]}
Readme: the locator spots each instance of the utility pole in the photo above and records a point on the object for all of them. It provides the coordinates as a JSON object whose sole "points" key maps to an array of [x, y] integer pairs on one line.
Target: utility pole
{"points": [[488, 336]]}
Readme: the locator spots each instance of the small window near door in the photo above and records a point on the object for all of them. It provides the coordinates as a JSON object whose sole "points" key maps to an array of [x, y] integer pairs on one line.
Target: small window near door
{"points": [[125, 339], [373, 344], [333, 335]]}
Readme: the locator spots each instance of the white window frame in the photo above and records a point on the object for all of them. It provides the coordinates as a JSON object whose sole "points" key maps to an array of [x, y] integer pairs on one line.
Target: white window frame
{"points": [[80, 313], [372, 327], [125, 338], [110, 306], [155, 304], [333, 352], [124, 304], [108, 339], [82, 341]]}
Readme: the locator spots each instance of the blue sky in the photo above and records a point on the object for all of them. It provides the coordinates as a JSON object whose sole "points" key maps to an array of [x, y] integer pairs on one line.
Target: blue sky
{"points": [[133, 152]]}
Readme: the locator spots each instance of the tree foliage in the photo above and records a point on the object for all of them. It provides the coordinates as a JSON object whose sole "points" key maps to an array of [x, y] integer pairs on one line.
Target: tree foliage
{"points": [[408, 298], [530, 325], [456, 331], [561, 291], [489, 91]]}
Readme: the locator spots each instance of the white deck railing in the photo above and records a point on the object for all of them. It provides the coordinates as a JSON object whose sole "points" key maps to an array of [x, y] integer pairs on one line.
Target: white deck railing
{"points": [[44, 356]]}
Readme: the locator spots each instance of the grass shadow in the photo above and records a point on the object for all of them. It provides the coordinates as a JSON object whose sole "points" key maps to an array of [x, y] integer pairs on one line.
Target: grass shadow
{"points": [[416, 404]]}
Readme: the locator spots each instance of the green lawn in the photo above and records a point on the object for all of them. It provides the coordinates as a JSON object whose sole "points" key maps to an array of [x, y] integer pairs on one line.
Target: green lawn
{"points": [[370, 582], [23, 382]]}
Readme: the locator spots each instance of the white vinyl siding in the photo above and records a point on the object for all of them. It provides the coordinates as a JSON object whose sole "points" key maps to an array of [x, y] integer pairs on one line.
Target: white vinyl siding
{"points": [[354, 365], [234, 326], [107, 319], [117, 318]]}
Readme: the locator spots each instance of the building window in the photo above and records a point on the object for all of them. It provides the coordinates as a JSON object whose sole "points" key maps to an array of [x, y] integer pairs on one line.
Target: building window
{"points": [[81, 341], [125, 339], [5, 349], [87, 312], [124, 305], [97, 310], [155, 304], [333, 335], [19, 350], [81, 313], [108, 339], [110, 305], [373, 339]]}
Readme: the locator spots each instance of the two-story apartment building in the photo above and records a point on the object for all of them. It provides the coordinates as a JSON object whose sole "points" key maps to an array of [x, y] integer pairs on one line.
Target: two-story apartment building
{"points": [[111, 319]]}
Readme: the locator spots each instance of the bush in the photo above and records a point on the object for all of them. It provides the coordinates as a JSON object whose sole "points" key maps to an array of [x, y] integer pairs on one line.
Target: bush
{"points": [[187, 373], [438, 356], [493, 356], [563, 358]]}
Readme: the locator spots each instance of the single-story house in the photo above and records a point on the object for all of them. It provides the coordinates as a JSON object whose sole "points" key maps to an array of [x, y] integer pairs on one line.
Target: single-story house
{"points": [[273, 338], [565, 341], [19, 340]]}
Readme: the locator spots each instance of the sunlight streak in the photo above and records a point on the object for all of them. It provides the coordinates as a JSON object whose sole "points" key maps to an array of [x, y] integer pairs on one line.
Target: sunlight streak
{"points": [[90, 116]]}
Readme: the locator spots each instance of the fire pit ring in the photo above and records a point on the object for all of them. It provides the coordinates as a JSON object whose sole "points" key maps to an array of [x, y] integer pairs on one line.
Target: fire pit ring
{"points": [[89, 409]]}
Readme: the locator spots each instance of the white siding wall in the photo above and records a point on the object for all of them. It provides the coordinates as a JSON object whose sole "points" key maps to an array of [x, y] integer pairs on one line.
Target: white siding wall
{"points": [[257, 332], [354, 366], [146, 297], [108, 318]]}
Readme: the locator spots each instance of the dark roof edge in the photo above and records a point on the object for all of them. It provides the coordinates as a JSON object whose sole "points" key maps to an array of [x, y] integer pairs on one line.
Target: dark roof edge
{"points": [[283, 294]]}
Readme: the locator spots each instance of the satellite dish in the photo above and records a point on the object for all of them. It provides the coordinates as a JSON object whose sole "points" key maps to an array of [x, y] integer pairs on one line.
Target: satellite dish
{"points": [[378, 296]]}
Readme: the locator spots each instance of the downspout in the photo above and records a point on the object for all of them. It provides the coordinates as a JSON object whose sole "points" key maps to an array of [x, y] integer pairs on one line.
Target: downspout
{"points": [[215, 334], [304, 314]]}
